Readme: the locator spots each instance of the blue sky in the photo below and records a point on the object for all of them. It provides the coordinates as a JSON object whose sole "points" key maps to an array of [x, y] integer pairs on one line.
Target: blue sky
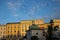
{"points": [[17, 10]]}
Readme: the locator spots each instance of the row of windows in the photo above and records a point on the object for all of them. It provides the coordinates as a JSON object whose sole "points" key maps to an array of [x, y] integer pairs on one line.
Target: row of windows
{"points": [[19, 26], [16, 31], [2, 28], [14, 27], [10, 36], [2, 32], [12, 31]]}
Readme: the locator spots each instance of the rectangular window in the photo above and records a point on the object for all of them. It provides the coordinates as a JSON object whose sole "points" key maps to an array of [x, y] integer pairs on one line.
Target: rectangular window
{"points": [[4, 28], [8, 27], [1, 28], [8, 31]]}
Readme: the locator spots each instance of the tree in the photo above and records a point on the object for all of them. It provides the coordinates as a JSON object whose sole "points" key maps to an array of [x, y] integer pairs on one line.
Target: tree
{"points": [[24, 37], [50, 30], [56, 28]]}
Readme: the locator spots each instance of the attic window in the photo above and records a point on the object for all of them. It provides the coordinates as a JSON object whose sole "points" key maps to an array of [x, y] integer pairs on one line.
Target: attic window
{"points": [[36, 33]]}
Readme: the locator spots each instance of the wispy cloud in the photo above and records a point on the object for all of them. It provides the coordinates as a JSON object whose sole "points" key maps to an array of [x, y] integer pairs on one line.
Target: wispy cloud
{"points": [[14, 6], [32, 11], [35, 8], [11, 6], [15, 15], [56, 12]]}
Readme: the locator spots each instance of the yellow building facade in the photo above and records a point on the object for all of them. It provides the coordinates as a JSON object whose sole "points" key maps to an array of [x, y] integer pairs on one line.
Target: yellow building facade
{"points": [[45, 26], [12, 29], [25, 24], [56, 22], [22, 27], [38, 21], [2, 31]]}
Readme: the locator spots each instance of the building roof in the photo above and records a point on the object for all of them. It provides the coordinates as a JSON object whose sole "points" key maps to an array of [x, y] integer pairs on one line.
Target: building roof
{"points": [[33, 26], [56, 20], [14, 23]]}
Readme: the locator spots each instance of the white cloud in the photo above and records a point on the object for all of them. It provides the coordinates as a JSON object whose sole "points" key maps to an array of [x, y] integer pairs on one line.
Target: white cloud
{"points": [[37, 7], [32, 11], [14, 6], [15, 15], [11, 6]]}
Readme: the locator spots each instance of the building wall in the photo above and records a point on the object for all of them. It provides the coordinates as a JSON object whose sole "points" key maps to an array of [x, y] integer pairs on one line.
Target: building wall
{"points": [[38, 21], [12, 28], [56, 22], [29, 35], [45, 25], [25, 24], [38, 33], [2, 31]]}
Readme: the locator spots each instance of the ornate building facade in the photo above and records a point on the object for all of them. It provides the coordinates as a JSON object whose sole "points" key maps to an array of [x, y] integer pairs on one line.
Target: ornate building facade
{"points": [[2, 31]]}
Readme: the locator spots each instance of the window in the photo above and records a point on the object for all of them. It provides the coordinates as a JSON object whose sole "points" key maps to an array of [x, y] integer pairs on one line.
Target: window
{"points": [[8, 27], [36, 33], [1, 28], [10, 36], [0, 32], [4, 28], [8, 31], [14, 35], [22, 30]]}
